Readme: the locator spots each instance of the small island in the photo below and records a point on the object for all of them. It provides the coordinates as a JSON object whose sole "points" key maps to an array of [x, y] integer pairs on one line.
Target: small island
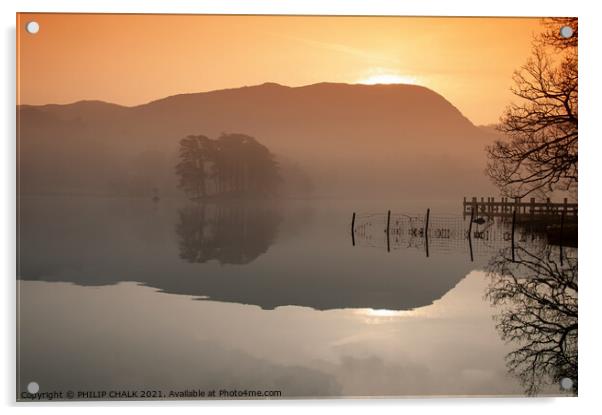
{"points": [[231, 166]]}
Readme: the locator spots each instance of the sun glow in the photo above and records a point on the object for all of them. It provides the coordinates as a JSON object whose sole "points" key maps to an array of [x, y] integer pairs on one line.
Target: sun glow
{"points": [[370, 312], [389, 79]]}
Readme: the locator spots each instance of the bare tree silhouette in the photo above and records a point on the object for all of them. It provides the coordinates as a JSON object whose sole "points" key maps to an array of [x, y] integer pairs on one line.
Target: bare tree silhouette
{"points": [[551, 36], [539, 154], [538, 299]]}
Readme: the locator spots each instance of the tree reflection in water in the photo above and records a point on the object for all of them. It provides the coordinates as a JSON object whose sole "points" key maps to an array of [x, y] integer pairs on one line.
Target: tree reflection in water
{"points": [[230, 234], [538, 299]]}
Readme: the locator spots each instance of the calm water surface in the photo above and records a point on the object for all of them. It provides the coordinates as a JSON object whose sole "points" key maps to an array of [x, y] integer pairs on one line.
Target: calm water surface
{"points": [[127, 294]]}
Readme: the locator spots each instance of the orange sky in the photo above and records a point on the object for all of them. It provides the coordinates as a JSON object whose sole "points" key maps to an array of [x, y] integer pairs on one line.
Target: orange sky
{"points": [[133, 59]]}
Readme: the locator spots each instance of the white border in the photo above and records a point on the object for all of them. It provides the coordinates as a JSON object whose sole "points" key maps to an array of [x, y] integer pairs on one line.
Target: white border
{"points": [[336, 7], [590, 152]]}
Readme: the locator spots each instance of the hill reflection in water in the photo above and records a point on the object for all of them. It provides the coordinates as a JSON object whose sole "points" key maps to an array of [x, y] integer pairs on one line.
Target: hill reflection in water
{"points": [[263, 253]]}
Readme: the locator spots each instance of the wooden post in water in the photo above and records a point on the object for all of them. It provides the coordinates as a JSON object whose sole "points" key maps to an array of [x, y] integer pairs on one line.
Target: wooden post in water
{"points": [[470, 236], [426, 232], [513, 224], [388, 224], [353, 229]]}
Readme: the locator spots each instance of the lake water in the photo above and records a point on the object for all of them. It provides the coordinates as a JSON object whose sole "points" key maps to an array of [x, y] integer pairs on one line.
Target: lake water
{"points": [[119, 294]]}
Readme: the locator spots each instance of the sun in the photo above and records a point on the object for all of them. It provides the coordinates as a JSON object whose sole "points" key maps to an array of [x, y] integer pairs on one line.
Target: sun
{"points": [[370, 312], [389, 79]]}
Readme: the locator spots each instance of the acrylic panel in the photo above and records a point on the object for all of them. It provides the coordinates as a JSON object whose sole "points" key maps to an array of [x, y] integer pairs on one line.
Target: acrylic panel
{"points": [[284, 207]]}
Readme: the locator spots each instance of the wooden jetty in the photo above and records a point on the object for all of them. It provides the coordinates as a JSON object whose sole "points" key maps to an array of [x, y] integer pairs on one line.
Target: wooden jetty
{"points": [[507, 206]]}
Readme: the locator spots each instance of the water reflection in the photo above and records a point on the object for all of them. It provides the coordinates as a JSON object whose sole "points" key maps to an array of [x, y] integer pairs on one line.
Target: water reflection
{"points": [[445, 234], [538, 296], [371, 322], [230, 234], [254, 253], [533, 283]]}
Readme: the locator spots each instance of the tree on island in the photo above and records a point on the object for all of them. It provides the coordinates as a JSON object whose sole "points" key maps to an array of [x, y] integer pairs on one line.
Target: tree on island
{"points": [[233, 165], [195, 154], [539, 154]]}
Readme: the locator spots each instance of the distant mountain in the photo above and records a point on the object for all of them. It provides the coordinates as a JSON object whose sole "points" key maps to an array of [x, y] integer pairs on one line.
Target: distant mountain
{"points": [[491, 129], [352, 140]]}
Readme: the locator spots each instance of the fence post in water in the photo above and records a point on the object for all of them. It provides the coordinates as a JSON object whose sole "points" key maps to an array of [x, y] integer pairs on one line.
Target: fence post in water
{"points": [[426, 232], [353, 229], [513, 224], [388, 224]]}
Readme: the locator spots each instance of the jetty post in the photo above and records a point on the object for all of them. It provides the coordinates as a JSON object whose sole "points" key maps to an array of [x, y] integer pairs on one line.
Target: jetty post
{"points": [[513, 225], [560, 237], [470, 235]]}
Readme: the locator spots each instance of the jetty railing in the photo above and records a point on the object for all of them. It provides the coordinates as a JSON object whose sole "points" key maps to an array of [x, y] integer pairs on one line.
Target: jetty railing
{"points": [[507, 206]]}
